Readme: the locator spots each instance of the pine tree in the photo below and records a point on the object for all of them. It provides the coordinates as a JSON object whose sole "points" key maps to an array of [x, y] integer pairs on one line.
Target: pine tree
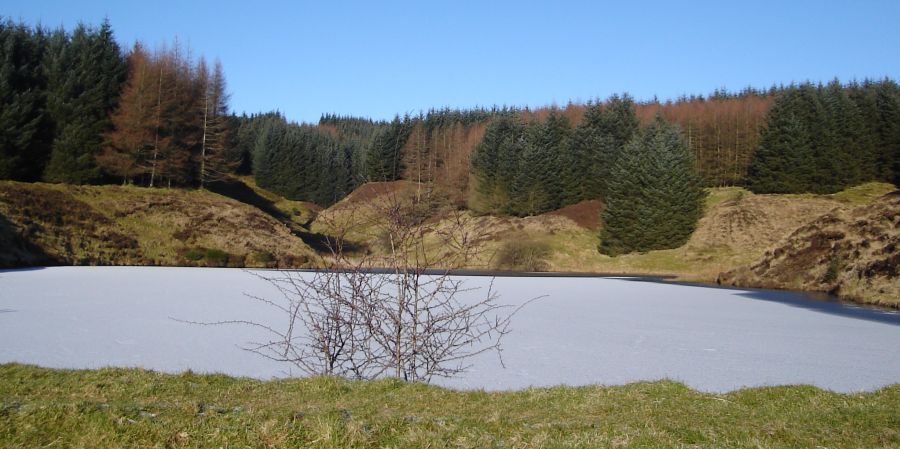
{"points": [[655, 196]]}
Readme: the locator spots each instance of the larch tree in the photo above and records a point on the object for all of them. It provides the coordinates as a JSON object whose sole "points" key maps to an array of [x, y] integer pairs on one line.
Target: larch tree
{"points": [[129, 145], [216, 160]]}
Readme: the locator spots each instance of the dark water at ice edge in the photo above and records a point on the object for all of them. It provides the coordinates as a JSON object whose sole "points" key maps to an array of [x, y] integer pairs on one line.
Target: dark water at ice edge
{"points": [[820, 301], [588, 330]]}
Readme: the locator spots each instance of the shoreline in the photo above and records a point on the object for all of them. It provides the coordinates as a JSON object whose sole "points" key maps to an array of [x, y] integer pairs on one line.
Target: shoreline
{"points": [[827, 300]]}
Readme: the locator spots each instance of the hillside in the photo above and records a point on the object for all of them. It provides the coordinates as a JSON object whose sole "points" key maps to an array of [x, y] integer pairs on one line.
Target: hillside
{"points": [[738, 228], [854, 253], [50, 224], [743, 239]]}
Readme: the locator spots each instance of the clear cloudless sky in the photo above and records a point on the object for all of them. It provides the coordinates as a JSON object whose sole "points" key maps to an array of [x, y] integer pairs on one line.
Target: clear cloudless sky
{"points": [[380, 58]]}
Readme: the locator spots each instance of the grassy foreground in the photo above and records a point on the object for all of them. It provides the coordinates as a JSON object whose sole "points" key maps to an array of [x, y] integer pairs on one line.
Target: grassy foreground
{"points": [[134, 408]]}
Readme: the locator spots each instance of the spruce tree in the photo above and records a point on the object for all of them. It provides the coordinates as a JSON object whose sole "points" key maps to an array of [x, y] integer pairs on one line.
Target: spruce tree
{"points": [[217, 159], [789, 156], [24, 127], [655, 195], [384, 159], [887, 103], [495, 162], [85, 73], [528, 193], [598, 140], [559, 180], [485, 160], [848, 156], [585, 141]]}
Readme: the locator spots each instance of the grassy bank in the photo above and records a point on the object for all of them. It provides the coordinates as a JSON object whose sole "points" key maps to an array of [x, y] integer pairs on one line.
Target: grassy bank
{"points": [[737, 230], [240, 224], [135, 408], [58, 224]]}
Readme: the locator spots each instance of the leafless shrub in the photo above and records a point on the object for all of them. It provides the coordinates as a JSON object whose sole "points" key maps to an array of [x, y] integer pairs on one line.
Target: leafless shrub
{"points": [[401, 315], [523, 255]]}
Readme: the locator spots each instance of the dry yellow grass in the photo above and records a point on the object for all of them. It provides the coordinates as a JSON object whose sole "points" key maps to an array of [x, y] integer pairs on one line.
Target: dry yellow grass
{"points": [[133, 225], [738, 228], [158, 226], [854, 253]]}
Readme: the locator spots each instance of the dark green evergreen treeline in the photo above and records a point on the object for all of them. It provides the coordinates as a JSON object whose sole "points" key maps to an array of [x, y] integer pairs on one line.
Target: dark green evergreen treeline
{"points": [[75, 108], [384, 156], [648, 177], [530, 167], [318, 164], [823, 139], [325, 162], [57, 90]]}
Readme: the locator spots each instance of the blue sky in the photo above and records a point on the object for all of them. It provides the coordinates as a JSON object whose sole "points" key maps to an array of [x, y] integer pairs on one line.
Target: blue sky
{"points": [[379, 58]]}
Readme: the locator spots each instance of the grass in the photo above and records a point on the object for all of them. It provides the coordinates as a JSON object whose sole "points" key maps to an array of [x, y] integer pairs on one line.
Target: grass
{"points": [[300, 212], [718, 195], [129, 225], [854, 196], [111, 408], [574, 248], [863, 194]]}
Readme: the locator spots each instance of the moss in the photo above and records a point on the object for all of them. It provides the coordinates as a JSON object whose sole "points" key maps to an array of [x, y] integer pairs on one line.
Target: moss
{"points": [[264, 257], [864, 193], [195, 254]]}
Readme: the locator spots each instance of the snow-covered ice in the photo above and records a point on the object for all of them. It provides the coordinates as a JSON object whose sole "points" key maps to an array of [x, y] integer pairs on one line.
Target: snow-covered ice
{"points": [[587, 331]]}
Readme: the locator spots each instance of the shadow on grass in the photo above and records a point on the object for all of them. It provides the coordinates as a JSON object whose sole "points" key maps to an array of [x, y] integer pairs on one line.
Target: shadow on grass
{"points": [[322, 243], [17, 252], [239, 191]]}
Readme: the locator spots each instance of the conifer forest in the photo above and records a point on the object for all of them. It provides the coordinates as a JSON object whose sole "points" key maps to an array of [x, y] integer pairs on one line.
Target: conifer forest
{"points": [[78, 107]]}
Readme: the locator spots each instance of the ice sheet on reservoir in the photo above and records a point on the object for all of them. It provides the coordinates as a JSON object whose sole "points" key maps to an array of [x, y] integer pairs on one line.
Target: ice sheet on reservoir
{"points": [[586, 331]]}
